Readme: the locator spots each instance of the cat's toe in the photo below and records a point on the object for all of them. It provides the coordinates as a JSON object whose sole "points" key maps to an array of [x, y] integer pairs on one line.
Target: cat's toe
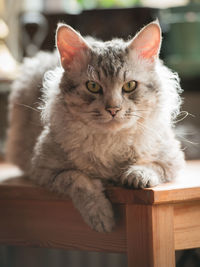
{"points": [[140, 177], [102, 222], [100, 216]]}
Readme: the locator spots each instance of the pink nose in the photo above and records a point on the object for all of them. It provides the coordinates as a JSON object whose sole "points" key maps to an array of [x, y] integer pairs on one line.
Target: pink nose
{"points": [[113, 110]]}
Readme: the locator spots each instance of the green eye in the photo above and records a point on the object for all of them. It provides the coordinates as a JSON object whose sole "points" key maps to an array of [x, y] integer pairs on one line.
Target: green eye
{"points": [[129, 86], [93, 87]]}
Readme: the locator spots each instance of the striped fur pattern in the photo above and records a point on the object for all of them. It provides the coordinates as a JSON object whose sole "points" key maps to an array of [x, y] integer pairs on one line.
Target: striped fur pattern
{"points": [[63, 136]]}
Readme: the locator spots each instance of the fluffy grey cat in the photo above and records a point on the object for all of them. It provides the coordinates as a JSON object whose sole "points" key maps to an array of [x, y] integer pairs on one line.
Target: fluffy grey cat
{"points": [[106, 115]]}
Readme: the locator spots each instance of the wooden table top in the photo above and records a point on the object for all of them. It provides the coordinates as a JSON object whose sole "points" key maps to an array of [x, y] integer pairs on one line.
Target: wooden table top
{"points": [[185, 188]]}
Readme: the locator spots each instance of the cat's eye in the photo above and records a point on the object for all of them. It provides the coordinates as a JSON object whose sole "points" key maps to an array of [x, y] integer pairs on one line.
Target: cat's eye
{"points": [[93, 87], [129, 86]]}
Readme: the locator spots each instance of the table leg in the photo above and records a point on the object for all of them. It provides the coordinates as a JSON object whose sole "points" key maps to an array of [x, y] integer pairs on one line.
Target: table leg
{"points": [[150, 236]]}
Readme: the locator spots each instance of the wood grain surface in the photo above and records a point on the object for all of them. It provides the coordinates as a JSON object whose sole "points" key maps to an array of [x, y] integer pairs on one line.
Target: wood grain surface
{"points": [[150, 236], [56, 224], [187, 225], [156, 220], [185, 188]]}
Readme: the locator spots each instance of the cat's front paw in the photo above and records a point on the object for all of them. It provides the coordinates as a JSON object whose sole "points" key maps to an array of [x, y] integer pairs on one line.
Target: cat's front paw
{"points": [[140, 177], [99, 215]]}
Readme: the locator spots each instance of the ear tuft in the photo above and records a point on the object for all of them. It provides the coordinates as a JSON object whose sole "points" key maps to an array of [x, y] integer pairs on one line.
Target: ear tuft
{"points": [[148, 41], [70, 44]]}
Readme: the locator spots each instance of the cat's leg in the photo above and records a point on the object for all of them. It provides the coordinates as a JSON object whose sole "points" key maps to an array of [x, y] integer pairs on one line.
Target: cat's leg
{"points": [[164, 168], [150, 174], [51, 168], [87, 196]]}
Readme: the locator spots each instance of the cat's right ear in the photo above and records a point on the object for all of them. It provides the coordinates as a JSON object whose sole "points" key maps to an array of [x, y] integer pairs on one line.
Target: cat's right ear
{"points": [[71, 46]]}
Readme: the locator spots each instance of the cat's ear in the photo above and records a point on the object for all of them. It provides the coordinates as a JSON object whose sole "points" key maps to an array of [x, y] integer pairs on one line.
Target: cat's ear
{"points": [[148, 41], [71, 45]]}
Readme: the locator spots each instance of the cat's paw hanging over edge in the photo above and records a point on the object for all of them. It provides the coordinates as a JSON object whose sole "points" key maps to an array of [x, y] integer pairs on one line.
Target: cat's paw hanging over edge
{"points": [[99, 215], [140, 177]]}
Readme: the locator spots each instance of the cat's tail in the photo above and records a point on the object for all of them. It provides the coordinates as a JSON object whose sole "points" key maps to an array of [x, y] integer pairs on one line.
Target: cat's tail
{"points": [[24, 117]]}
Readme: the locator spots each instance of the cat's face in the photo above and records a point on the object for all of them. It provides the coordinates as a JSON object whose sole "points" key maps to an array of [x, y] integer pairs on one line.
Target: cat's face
{"points": [[109, 86]]}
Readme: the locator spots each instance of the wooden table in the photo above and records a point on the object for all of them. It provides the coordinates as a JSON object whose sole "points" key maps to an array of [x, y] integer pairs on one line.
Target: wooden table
{"points": [[151, 223]]}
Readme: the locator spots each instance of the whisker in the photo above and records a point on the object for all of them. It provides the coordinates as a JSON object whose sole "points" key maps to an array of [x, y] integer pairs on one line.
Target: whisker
{"points": [[185, 114], [26, 106], [92, 112], [186, 140], [133, 115], [141, 110], [96, 115]]}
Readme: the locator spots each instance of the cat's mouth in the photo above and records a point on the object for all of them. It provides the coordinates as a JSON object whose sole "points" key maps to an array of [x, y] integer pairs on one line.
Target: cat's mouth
{"points": [[104, 121], [114, 123]]}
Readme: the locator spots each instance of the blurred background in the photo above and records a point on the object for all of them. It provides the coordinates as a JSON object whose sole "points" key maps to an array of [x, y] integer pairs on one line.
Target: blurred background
{"points": [[27, 26]]}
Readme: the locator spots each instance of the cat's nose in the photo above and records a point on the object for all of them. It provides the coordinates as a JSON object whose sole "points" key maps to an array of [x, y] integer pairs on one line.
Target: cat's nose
{"points": [[113, 110]]}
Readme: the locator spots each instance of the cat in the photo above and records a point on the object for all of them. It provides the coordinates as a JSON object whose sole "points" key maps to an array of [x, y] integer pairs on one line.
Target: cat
{"points": [[96, 112]]}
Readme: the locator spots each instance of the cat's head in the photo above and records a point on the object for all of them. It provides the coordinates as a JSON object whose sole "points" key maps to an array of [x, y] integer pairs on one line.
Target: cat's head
{"points": [[114, 84]]}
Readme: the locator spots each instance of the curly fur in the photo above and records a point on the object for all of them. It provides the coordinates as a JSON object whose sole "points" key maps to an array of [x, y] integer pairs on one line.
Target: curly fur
{"points": [[62, 136]]}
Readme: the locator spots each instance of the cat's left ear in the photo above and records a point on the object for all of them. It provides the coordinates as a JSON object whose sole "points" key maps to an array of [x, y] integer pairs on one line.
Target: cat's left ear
{"points": [[148, 41], [71, 46]]}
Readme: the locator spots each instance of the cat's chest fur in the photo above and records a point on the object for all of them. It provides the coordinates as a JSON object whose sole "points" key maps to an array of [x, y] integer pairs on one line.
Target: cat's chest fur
{"points": [[102, 155]]}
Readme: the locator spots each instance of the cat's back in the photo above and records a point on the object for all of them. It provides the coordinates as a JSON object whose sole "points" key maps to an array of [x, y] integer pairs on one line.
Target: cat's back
{"points": [[29, 82], [24, 117]]}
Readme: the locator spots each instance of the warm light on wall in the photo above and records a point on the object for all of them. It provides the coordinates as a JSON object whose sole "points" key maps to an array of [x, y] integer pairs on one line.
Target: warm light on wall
{"points": [[3, 29], [8, 65]]}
